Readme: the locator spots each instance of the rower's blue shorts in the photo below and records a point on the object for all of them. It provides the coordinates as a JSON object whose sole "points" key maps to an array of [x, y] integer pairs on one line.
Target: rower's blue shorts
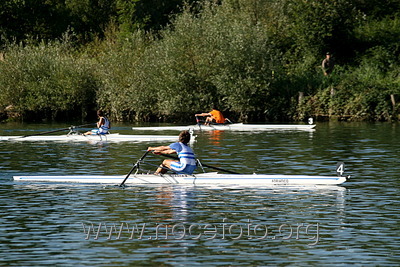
{"points": [[98, 131], [182, 168]]}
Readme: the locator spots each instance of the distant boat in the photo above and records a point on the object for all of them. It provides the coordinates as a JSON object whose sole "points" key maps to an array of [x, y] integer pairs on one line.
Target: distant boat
{"points": [[95, 138], [232, 127]]}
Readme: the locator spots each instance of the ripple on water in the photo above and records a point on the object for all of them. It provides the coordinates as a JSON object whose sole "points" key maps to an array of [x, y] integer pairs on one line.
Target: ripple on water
{"points": [[42, 224]]}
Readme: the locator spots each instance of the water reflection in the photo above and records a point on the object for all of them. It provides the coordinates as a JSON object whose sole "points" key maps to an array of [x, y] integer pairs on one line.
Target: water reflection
{"points": [[215, 137], [62, 215], [41, 223]]}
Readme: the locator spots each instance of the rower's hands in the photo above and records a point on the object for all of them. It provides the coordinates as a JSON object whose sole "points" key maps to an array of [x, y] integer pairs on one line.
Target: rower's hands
{"points": [[153, 150]]}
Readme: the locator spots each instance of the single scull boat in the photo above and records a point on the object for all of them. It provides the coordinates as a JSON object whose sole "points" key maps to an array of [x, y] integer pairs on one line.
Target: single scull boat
{"points": [[202, 178], [232, 127], [74, 135], [95, 138], [145, 177]]}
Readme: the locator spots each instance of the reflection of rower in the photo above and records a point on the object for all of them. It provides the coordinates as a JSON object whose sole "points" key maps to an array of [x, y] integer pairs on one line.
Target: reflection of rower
{"points": [[172, 205], [216, 137], [214, 116], [164, 210]]}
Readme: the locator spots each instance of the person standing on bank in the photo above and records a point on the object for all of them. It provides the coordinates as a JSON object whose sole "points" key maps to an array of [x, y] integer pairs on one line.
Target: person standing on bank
{"points": [[214, 116], [103, 125], [328, 64], [187, 160]]}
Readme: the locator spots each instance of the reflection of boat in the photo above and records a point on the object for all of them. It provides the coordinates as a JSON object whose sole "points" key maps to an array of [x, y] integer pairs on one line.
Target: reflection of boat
{"points": [[202, 178], [233, 127], [105, 138]]}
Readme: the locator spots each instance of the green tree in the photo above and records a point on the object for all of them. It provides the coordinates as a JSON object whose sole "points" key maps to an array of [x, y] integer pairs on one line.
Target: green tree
{"points": [[147, 14], [90, 18], [20, 20]]}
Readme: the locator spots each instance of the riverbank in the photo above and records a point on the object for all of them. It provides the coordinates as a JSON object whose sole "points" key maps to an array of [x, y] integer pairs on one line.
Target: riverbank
{"points": [[253, 68]]}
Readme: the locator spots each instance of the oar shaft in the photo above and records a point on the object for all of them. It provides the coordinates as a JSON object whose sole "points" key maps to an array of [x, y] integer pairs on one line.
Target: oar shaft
{"points": [[134, 167], [220, 169], [205, 165], [127, 176], [59, 130], [42, 133]]}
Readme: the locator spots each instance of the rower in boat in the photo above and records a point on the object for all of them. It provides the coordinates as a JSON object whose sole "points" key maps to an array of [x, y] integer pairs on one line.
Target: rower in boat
{"points": [[103, 125], [214, 116], [187, 161]]}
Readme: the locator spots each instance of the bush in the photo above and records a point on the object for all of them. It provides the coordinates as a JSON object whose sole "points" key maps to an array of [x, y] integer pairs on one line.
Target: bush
{"points": [[47, 81]]}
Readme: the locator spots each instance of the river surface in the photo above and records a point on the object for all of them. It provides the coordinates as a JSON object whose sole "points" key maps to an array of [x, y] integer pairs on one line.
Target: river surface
{"points": [[357, 223]]}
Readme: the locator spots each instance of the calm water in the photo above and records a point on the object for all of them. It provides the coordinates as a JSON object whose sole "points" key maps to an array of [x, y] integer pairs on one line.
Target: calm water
{"points": [[73, 224]]}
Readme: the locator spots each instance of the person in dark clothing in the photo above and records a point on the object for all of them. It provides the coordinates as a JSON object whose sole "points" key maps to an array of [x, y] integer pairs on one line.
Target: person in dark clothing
{"points": [[328, 64]]}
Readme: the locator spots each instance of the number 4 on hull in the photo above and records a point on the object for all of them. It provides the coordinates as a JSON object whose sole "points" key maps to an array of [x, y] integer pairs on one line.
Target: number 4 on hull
{"points": [[340, 168]]}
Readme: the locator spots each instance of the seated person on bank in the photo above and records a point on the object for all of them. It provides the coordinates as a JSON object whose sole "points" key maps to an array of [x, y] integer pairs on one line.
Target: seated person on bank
{"points": [[214, 116]]}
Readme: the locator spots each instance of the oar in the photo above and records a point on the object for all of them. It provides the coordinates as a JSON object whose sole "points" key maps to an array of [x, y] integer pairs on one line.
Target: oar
{"points": [[205, 165], [54, 131], [198, 121], [134, 167], [229, 121]]}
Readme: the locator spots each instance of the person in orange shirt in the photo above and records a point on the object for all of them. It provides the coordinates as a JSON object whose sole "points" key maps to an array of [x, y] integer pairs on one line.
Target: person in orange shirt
{"points": [[214, 116]]}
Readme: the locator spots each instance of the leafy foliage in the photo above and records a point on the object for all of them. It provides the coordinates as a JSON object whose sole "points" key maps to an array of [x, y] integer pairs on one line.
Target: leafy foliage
{"points": [[44, 79], [161, 60]]}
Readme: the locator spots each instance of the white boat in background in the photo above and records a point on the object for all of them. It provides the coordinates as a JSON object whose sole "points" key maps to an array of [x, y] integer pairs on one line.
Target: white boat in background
{"points": [[232, 127], [213, 178], [76, 136], [93, 138]]}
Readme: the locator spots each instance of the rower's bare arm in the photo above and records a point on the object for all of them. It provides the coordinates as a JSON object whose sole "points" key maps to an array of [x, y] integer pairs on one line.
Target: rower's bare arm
{"points": [[157, 148], [161, 149], [169, 151], [100, 122], [203, 114]]}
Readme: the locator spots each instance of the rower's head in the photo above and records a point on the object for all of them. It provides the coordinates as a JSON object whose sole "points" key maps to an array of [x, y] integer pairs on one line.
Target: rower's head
{"points": [[328, 55], [184, 137], [100, 113]]}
